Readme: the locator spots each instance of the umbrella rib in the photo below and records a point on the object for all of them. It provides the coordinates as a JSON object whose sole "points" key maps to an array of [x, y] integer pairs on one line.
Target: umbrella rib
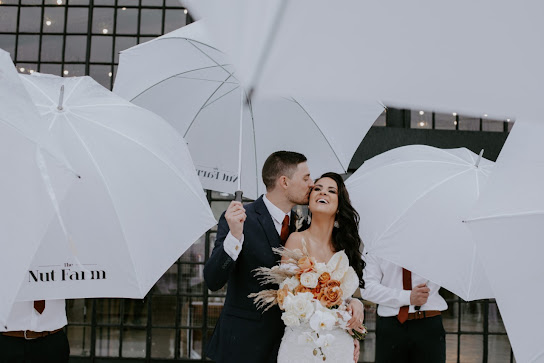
{"points": [[169, 165], [322, 134], [496, 216], [220, 97], [67, 97], [419, 198], [172, 76], [25, 79], [213, 60], [204, 105], [206, 80]]}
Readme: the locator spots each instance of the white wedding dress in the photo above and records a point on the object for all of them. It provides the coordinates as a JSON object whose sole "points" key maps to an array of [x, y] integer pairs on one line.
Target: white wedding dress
{"points": [[293, 351]]}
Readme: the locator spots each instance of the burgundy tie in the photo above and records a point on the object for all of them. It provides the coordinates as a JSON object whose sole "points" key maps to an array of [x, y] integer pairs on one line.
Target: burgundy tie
{"points": [[284, 230], [406, 285], [39, 305]]}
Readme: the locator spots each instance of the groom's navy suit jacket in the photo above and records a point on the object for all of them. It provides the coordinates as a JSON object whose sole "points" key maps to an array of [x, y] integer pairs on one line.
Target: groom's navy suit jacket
{"points": [[243, 333]]}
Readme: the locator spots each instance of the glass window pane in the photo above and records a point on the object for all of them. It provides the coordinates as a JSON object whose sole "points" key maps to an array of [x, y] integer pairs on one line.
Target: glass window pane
{"points": [[55, 69], [127, 21], [101, 48], [162, 343], [30, 19], [28, 47], [31, 2], [469, 123], [27, 68], [79, 310], [421, 119], [444, 121], [8, 19], [168, 283], [108, 311], [103, 21], [80, 340], [380, 121], [102, 74], [173, 20], [164, 310], [499, 349], [472, 348], [151, 22], [134, 342], [79, 2], [76, 48], [51, 48], [53, 20], [472, 317], [196, 253], [451, 347], [492, 125], [78, 19], [107, 342], [368, 348], [173, 3], [7, 43], [122, 43], [135, 311]]}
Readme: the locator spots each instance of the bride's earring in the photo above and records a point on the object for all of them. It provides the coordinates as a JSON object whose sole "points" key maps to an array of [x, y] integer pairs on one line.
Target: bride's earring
{"points": [[336, 224], [309, 219]]}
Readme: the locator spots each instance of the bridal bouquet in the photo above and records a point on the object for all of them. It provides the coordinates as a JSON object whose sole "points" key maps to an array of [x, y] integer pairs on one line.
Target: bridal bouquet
{"points": [[311, 293]]}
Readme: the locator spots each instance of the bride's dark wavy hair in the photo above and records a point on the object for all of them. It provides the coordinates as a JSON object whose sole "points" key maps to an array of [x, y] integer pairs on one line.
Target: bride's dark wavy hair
{"points": [[346, 236]]}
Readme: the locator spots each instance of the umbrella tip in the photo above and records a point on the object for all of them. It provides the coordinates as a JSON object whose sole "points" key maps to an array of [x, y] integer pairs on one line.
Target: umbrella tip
{"points": [[479, 158], [61, 98]]}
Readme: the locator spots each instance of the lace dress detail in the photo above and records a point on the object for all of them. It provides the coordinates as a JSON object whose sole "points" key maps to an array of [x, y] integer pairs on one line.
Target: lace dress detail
{"points": [[295, 350]]}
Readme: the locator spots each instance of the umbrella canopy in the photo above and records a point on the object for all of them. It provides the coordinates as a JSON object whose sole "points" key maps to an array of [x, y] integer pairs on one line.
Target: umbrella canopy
{"points": [[508, 224], [468, 57], [184, 78], [411, 201], [137, 206], [33, 182]]}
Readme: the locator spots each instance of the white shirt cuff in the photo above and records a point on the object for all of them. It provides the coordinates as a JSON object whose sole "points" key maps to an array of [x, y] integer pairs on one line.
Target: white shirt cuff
{"points": [[405, 297], [232, 246]]}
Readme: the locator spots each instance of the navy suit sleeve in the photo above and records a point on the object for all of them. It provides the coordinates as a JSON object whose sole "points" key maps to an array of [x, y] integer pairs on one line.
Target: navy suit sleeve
{"points": [[218, 268]]}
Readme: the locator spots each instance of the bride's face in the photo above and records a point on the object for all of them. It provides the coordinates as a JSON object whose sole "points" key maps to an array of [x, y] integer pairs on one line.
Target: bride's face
{"points": [[324, 197]]}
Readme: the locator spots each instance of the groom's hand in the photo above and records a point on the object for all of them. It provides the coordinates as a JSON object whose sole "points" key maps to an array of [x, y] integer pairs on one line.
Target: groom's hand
{"points": [[235, 216], [419, 295]]}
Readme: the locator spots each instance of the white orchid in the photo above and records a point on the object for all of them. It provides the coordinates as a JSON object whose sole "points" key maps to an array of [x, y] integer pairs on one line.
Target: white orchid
{"points": [[300, 305], [322, 320], [290, 319]]}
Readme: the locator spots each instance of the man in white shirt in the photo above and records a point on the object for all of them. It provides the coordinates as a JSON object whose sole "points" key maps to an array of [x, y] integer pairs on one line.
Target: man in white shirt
{"points": [[409, 327], [33, 333]]}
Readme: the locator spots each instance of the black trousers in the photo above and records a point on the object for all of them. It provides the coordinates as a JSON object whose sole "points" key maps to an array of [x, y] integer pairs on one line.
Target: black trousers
{"points": [[49, 349], [415, 341]]}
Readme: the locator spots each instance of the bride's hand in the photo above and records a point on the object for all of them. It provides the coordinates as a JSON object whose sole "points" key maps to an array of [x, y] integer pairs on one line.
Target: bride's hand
{"points": [[357, 310]]}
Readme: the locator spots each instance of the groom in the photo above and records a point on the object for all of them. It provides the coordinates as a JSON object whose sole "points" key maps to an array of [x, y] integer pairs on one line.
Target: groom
{"points": [[245, 238]]}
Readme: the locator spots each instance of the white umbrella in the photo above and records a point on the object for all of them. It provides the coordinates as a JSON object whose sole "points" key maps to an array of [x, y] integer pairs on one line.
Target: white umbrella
{"points": [[471, 57], [137, 207], [184, 78], [411, 201], [33, 182], [508, 224]]}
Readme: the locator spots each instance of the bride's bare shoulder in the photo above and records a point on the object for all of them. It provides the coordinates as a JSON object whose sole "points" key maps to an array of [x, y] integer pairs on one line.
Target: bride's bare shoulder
{"points": [[295, 241]]}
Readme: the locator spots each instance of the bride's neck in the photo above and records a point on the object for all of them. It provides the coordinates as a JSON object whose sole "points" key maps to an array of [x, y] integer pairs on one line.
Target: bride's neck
{"points": [[320, 229]]}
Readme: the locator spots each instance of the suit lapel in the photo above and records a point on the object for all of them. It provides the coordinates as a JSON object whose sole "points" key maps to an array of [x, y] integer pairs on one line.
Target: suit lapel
{"points": [[265, 219]]}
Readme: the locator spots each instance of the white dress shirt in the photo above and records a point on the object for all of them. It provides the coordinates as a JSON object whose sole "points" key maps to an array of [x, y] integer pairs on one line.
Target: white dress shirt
{"points": [[233, 247], [23, 316], [383, 286]]}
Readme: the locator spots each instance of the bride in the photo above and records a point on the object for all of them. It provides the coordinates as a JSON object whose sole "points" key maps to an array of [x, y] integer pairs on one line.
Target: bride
{"points": [[334, 228]]}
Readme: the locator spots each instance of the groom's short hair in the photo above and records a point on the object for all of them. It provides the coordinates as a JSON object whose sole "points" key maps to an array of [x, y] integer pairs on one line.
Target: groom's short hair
{"points": [[278, 164]]}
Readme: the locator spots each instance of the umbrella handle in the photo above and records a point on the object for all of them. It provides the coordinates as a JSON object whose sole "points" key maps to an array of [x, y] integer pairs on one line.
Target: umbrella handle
{"points": [[238, 196]]}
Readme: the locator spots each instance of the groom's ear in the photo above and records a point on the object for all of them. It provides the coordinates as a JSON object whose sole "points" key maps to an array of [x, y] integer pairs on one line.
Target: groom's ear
{"points": [[283, 182]]}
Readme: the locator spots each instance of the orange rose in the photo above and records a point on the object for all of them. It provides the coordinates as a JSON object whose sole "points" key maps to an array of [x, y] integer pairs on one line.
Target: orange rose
{"points": [[331, 294], [324, 278], [301, 288], [282, 293], [305, 264]]}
